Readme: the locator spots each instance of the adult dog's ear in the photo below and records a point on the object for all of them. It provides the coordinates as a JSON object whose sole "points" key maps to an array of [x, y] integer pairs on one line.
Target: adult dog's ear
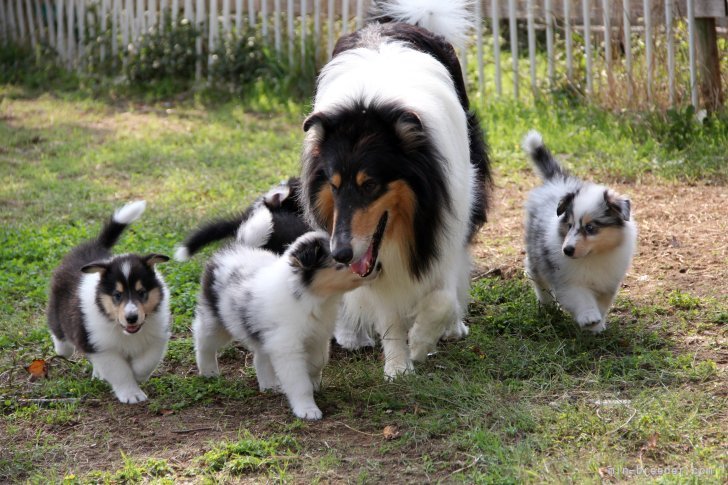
{"points": [[565, 203], [620, 205], [409, 129], [315, 119]]}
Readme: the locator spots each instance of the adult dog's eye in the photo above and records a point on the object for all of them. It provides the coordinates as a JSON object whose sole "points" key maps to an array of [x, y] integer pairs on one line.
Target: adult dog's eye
{"points": [[590, 229], [334, 188], [116, 296], [369, 187]]}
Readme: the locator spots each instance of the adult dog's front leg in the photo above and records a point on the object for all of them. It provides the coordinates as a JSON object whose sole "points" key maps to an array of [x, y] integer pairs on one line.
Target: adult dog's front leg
{"points": [[396, 353], [434, 313]]}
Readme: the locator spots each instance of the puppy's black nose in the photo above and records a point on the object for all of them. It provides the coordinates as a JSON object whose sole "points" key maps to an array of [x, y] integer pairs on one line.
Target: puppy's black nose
{"points": [[132, 318], [343, 254], [569, 250]]}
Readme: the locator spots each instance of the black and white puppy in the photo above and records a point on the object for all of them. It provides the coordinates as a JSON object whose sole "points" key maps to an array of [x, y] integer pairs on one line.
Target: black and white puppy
{"points": [[282, 308], [580, 239], [280, 201], [114, 309]]}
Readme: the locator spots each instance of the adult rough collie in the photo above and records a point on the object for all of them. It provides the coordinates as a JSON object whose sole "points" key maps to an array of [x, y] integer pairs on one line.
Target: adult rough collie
{"points": [[394, 167]]}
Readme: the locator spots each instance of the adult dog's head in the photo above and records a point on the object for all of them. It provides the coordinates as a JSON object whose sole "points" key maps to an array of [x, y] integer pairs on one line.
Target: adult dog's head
{"points": [[373, 179]]}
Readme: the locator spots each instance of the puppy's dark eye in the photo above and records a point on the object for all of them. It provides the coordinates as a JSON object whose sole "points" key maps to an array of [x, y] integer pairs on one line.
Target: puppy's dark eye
{"points": [[569, 225], [590, 229], [116, 296], [369, 187], [142, 294], [334, 188]]}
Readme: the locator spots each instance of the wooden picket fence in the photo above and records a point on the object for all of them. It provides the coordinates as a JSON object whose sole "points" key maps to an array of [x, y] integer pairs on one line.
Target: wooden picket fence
{"points": [[590, 44]]}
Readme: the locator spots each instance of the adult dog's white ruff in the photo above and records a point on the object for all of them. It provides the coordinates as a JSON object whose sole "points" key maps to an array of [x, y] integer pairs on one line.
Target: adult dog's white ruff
{"points": [[410, 311]]}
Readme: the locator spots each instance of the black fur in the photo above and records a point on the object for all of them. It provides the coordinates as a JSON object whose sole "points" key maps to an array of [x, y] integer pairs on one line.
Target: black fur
{"points": [[64, 314], [309, 257], [364, 138], [288, 222], [435, 45]]}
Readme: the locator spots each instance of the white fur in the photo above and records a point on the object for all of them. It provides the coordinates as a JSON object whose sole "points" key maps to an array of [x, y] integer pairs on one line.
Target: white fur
{"points": [[294, 326], [397, 302], [532, 142], [256, 231], [584, 286], [182, 254], [124, 360], [130, 212], [452, 19]]}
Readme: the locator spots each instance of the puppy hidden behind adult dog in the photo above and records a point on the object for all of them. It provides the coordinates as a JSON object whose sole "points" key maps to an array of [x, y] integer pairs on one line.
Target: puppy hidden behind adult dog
{"points": [[114, 309], [282, 308], [580, 239]]}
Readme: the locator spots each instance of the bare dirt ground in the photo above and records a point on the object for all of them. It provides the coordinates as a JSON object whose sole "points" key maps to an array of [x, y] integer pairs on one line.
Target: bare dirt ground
{"points": [[683, 237], [682, 246]]}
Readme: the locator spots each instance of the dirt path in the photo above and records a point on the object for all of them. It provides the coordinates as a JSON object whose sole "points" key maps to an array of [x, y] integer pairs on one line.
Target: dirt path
{"points": [[683, 237]]}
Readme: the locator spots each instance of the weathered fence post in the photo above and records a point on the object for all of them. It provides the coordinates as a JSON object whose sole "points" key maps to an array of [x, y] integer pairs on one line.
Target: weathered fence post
{"points": [[708, 63]]}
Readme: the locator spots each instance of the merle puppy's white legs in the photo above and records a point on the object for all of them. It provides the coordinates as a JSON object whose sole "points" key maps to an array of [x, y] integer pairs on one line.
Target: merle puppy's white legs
{"points": [[293, 373], [540, 285], [582, 305], [115, 369], [210, 336]]}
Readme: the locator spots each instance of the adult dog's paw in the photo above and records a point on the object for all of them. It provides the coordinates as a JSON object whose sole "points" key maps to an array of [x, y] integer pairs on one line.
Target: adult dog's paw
{"points": [[591, 320], [310, 412], [456, 331], [131, 395]]}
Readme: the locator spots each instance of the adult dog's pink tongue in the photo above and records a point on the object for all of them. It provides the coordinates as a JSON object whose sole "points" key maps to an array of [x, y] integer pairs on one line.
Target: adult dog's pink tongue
{"points": [[362, 266]]}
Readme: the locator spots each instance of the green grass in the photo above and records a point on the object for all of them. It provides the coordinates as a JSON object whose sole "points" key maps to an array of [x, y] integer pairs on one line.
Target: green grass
{"points": [[526, 397]]}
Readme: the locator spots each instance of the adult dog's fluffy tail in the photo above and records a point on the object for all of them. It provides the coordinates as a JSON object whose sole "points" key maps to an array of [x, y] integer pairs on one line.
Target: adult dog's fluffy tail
{"points": [[546, 166], [119, 221], [451, 19]]}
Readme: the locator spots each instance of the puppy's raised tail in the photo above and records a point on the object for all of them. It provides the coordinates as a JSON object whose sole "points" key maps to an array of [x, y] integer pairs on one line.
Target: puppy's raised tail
{"points": [[256, 231], [452, 19], [119, 221], [546, 166], [207, 234]]}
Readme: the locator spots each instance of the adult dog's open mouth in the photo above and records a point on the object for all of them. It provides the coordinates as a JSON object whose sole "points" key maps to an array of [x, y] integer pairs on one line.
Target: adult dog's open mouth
{"points": [[366, 264]]}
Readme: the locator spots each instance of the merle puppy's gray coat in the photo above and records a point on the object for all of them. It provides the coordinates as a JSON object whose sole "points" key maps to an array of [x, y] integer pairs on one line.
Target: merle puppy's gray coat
{"points": [[580, 239]]}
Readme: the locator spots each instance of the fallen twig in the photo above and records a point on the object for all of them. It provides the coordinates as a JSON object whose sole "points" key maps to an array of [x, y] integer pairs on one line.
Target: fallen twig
{"points": [[193, 430]]}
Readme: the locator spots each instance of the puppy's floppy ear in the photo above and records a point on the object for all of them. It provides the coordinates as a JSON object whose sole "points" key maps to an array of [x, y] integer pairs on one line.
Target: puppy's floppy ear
{"points": [[152, 259], [409, 129], [275, 196], [621, 205], [565, 203], [310, 254], [96, 267]]}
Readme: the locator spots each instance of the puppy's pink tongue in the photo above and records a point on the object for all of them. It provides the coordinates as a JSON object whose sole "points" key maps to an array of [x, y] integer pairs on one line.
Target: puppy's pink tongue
{"points": [[362, 266]]}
